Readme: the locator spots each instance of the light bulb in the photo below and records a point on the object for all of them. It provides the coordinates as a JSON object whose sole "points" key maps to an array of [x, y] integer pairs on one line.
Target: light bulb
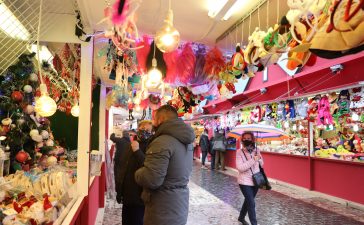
{"points": [[167, 38], [294, 127], [45, 106], [154, 78], [75, 110], [286, 124], [355, 117], [356, 128]]}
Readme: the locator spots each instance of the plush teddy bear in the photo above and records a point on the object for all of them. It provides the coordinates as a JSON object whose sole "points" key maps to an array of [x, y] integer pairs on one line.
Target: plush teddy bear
{"points": [[343, 103]]}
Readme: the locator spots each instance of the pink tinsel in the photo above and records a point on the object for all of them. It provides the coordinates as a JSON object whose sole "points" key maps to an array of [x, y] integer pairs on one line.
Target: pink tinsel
{"points": [[214, 62], [142, 54], [171, 61], [186, 64], [117, 18]]}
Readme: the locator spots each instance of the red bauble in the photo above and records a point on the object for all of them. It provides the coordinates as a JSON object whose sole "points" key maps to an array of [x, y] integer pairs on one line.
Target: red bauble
{"points": [[21, 156], [37, 93], [17, 96]]}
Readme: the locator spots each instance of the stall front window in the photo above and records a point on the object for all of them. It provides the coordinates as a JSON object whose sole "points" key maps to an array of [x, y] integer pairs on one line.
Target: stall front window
{"points": [[338, 130]]}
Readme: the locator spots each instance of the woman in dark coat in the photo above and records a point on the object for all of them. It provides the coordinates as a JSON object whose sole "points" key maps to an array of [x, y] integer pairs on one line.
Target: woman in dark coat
{"points": [[128, 191]]}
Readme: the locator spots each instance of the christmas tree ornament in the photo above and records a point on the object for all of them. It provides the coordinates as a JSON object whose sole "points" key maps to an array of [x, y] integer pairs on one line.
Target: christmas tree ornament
{"points": [[27, 88], [6, 121], [51, 161], [75, 110], [20, 121], [37, 138], [50, 143], [29, 109], [45, 106], [22, 156], [33, 77], [17, 96], [44, 134], [34, 132]]}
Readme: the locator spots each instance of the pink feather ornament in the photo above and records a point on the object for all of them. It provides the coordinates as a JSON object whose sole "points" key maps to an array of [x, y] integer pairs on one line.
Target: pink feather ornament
{"points": [[171, 61], [142, 54], [186, 64], [214, 63], [119, 11]]}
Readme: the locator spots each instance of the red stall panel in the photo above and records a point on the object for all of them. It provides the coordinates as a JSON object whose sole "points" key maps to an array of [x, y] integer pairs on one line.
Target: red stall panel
{"points": [[287, 168], [230, 157], [339, 178]]}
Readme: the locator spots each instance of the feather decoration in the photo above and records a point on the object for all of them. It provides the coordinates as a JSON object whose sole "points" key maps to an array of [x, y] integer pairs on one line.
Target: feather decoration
{"points": [[186, 64], [142, 54], [171, 61], [214, 63], [120, 11]]}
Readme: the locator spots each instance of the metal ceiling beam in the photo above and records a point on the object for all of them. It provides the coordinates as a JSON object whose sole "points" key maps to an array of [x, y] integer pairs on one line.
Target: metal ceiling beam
{"points": [[240, 21]]}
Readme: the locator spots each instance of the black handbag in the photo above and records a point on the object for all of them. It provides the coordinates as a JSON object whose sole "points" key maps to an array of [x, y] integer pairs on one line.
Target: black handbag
{"points": [[260, 179]]}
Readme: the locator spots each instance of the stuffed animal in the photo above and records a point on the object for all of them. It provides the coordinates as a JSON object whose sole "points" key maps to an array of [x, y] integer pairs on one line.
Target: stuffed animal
{"points": [[333, 103], [256, 115], [357, 145], [343, 103], [280, 109], [324, 117], [268, 112], [238, 63], [312, 109], [357, 98], [274, 110], [302, 108], [289, 110]]}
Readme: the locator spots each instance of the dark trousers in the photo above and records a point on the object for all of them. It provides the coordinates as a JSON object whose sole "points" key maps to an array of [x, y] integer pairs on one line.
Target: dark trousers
{"points": [[220, 158], [204, 155], [212, 160], [132, 214], [249, 193]]}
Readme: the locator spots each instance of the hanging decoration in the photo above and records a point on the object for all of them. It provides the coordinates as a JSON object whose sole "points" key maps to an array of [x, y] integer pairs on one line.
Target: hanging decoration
{"points": [[214, 63], [186, 64]]}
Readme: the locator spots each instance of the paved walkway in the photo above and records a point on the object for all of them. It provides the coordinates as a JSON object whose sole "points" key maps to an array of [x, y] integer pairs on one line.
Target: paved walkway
{"points": [[216, 200]]}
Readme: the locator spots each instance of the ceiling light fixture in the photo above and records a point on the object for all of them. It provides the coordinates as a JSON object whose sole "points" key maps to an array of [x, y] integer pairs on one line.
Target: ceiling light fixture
{"points": [[224, 9], [216, 7], [167, 38], [236, 6], [10, 25]]}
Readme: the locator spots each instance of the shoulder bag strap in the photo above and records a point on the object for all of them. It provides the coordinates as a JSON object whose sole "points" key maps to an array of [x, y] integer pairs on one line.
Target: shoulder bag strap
{"points": [[247, 160]]}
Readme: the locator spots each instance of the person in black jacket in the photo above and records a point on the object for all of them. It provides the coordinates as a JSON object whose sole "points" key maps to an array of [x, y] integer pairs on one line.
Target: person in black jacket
{"points": [[130, 191], [205, 146]]}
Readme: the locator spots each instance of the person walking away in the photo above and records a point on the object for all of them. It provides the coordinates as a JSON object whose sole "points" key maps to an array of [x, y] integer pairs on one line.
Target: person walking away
{"points": [[204, 146], [212, 153], [247, 164], [122, 144], [220, 148], [166, 171]]}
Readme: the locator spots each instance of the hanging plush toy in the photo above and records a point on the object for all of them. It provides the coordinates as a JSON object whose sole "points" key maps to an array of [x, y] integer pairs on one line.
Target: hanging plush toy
{"points": [[280, 109], [357, 98], [214, 63], [256, 115], [324, 116], [302, 108], [333, 103], [274, 110], [312, 109], [290, 110], [268, 112], [343, 103], [238, 63]]}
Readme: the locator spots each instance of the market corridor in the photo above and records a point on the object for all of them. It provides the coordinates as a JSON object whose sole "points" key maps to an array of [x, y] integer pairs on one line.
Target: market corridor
{"points": [[215, 199]]}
